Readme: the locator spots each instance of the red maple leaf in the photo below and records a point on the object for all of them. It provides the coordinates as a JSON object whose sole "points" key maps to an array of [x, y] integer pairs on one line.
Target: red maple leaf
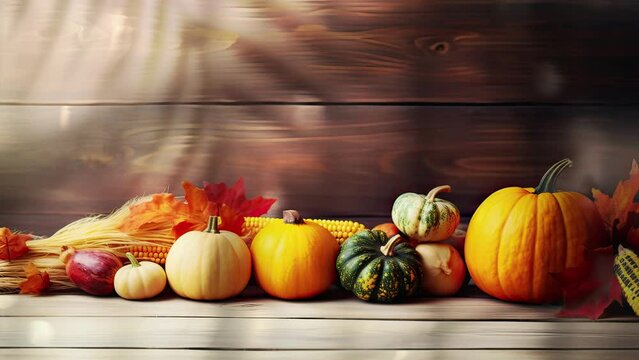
{"points": [[13, 245], [37, 281], [199, 209], [229, 204], [235, 197], [620, 213], [590, 288]]}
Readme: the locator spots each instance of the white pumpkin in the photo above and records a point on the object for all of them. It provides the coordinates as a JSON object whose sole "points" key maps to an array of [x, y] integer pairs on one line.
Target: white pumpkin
{"points": [[208, 265], [139, 280]]}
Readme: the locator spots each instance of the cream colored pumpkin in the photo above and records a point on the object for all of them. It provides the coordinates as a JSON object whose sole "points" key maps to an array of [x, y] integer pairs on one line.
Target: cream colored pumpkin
{"points": [[209, 264], [141, 280]]}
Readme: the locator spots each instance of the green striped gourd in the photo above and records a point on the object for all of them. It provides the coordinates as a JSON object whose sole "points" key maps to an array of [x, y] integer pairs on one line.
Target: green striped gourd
{"points": [[377, 269], [626, 268], [425, 217]]}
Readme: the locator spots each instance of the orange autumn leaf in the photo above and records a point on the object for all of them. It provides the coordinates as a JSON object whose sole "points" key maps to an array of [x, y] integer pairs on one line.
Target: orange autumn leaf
{"points": [[615, 209], [198, 204], [590, 288], [235, 197], [165, 213], [157, 214], [199, 210], [37, 281], [13, 245], [620, 212], [229, 220]]}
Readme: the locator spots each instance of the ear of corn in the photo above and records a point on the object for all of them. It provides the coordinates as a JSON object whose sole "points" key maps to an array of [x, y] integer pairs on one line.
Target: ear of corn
{"points": [[626, 268], [100, 232], [341, 229], [157, 254]]}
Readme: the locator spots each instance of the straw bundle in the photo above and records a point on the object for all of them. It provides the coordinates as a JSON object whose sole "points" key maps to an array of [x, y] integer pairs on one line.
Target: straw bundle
{"points": [[94, 232]]}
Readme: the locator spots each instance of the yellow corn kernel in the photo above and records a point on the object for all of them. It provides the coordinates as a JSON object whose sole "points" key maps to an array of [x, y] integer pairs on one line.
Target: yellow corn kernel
{"points": [[626, 268], [341, 229], [157, 254]]}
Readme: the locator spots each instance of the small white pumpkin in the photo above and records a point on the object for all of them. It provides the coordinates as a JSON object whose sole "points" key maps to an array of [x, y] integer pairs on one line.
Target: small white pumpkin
{"points": [[208, 265], [139, 280]]}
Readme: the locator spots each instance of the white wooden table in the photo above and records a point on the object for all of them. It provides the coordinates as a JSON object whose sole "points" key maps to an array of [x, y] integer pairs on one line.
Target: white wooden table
{"points": [[334, 326]]}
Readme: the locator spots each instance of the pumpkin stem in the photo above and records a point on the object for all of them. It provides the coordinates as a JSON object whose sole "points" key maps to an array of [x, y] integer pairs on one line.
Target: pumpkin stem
{"points": [[211, 227], [430, 197], [549, 180], [544, 180], [133, 260], [292, 217], [389, 248]]}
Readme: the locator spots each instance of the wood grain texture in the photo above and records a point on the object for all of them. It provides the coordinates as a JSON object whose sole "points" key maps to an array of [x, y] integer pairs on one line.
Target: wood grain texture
{"points": [[318, 50], [261, 334], [253, 303], [168, 354], [323, 160]]}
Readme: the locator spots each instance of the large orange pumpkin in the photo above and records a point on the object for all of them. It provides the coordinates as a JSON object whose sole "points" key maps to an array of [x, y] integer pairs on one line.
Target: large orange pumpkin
{"points": [[518, 236], [293, 258]]}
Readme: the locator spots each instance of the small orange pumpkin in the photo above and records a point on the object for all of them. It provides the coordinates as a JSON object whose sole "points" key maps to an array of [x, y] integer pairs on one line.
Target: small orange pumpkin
{"points": [[519, 236], [293, 258]]}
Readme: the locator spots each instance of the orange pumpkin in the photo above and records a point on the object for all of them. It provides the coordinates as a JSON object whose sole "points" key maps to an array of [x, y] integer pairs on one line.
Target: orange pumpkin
{"points": [[391, 230], [294, 259], [519, 236]]}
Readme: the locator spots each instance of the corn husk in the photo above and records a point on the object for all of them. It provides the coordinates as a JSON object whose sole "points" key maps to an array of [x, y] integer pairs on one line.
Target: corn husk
{"points": [[94, 232]]}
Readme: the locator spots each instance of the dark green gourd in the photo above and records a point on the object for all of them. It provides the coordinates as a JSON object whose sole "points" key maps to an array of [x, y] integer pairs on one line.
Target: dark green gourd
{"points": [[379, 269]]}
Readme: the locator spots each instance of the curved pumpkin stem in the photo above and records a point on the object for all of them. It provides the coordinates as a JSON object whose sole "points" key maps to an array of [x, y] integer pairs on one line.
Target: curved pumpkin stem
{"points": [[549, 180], [389, 248], [133, 260], [544, 179], [211, 227], [430, 197]]}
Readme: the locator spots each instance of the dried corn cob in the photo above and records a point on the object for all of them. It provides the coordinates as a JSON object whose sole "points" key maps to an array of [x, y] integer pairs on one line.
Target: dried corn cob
{"points": [[626, 268], [341, 229], [157, 254]]}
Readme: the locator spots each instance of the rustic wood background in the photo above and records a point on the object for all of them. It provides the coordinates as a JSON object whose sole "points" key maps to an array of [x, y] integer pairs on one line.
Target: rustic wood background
{"points": [[334, 107]]}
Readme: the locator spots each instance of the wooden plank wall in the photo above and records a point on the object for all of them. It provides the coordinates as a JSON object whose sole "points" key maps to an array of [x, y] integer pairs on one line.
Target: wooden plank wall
{"points": [[334, 107]]}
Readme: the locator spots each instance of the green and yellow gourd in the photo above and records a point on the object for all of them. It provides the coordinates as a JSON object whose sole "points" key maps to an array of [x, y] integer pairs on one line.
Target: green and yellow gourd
{"points": [[425, 217], [376, 268]]}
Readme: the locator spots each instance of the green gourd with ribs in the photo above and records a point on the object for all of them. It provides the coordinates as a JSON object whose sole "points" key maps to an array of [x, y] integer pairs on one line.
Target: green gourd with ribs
{"points": [[378, 269]]}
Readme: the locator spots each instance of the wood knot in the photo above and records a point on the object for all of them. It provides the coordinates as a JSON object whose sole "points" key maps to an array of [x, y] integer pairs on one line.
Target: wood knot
{"points": [[440, 47], [432, 45]]}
